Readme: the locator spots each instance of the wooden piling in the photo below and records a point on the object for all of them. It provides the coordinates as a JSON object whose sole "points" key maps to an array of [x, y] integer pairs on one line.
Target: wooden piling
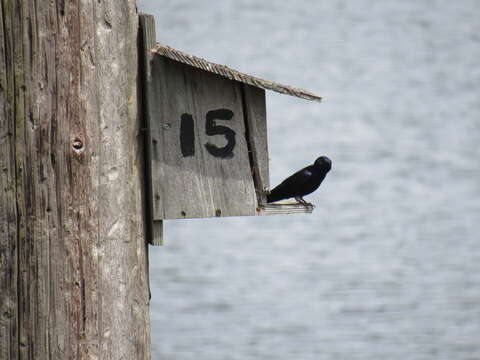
{"points": [[73, 258]]}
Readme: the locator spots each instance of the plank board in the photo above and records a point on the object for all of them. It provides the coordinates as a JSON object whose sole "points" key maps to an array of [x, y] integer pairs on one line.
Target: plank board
{"points": [[256, 120], [154, 229], [284, 207], [208, 182], [233, 74]]}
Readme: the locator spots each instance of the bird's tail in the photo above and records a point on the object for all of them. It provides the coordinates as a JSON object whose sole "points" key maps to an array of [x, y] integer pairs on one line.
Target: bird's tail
{"points": [[274, 196]]}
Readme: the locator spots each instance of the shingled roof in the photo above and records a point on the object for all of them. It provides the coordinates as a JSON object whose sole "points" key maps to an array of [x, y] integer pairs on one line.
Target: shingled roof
{"points": [[232, 74]]}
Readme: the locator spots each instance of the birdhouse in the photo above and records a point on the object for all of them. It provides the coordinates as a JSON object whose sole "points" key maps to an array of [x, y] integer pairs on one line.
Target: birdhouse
{"points": [[207, 149]]}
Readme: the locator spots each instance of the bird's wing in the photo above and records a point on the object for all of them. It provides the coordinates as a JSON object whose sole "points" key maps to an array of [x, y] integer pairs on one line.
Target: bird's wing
{"points": [[297, 180], [291, 186]]}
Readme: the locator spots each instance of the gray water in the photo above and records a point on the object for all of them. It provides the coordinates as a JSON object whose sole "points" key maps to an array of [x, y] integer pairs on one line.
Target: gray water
{"points": [[387, 266]]}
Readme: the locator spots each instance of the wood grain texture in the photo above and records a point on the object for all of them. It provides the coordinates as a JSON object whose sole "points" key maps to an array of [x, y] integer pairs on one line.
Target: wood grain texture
{"points": [[284, 207], [256, 122], [202, 185], [73, 262], [233, 74], [9, 334]]}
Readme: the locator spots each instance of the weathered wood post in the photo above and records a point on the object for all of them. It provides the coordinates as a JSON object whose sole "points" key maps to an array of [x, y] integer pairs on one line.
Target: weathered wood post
{"points": [[73, 258]]}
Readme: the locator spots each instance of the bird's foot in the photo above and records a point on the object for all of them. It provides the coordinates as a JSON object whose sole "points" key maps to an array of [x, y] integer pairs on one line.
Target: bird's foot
{"points": [[307, 204], [303, 202]]}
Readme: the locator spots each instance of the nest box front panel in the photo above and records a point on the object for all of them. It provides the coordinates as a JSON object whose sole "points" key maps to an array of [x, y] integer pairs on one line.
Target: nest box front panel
{"points": [[200, 159]]}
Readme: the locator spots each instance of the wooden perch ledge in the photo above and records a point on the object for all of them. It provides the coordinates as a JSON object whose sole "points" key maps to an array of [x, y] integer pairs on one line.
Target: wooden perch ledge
{"points": [[284, 207]]}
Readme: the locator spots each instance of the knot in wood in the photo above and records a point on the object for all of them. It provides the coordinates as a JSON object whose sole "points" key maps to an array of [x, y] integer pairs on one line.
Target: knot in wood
{"points": [[77, 144]]}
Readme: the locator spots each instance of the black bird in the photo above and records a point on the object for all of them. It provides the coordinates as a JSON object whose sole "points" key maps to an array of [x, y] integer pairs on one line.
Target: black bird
{"points": [[302, 183]]}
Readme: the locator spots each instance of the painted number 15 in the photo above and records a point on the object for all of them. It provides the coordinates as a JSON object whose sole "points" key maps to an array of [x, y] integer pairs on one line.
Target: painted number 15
{"points": [[187, 134]]}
